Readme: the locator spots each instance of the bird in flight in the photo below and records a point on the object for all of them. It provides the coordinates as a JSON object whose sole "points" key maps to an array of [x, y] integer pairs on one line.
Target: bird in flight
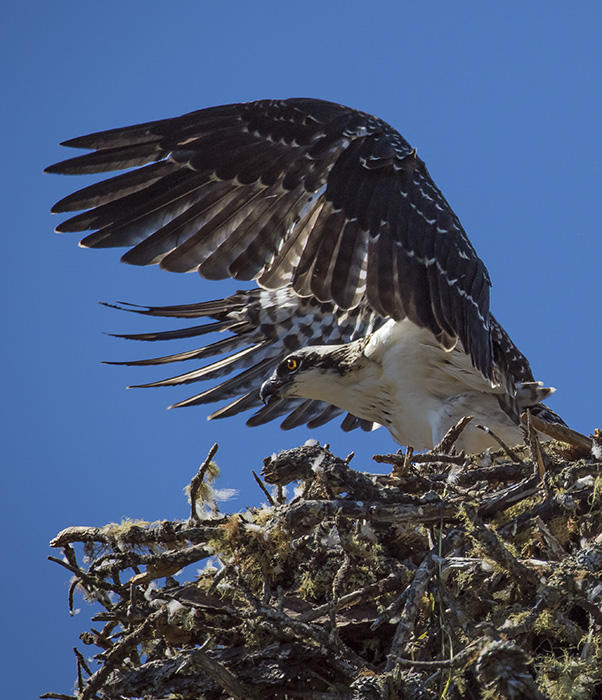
{"points": [[370, 302]]}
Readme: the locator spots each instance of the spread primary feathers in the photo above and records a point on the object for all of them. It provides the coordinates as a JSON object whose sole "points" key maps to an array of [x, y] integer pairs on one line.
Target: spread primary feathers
{"points": [[353, 247]]}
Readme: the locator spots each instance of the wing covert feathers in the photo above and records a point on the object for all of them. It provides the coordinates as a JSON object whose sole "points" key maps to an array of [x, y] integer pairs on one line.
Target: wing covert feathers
{"points": [[297, 192]]}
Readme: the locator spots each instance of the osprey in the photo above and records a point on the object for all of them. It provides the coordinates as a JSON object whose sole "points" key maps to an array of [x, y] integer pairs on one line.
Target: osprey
{"points": [[371, 300]]}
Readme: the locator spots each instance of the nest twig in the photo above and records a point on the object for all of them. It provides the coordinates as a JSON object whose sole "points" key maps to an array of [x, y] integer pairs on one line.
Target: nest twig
{"points": [[449, 577]]}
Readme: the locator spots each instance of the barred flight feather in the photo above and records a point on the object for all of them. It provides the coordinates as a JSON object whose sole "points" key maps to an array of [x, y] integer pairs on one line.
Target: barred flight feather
{"points": [[333, 213]]}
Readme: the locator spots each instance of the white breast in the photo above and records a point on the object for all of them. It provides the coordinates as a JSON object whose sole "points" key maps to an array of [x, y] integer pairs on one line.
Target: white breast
{"points": [[423, 390], [405, 381]]}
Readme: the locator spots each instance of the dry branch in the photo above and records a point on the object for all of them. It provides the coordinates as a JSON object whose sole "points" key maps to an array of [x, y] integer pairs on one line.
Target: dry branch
{"points": [[560, 432], [443, 578]]}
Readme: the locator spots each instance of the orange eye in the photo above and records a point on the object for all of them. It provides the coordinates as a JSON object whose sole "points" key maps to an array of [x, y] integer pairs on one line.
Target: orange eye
{"points": [[291, 364]]}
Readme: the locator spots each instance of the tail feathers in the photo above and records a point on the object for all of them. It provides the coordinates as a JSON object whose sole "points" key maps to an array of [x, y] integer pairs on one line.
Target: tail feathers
{"points": [[540, 410], [529, 394]]}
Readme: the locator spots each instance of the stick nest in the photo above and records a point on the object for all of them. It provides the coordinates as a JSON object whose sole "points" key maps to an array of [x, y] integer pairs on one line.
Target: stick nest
{"points": [[449, 577]]}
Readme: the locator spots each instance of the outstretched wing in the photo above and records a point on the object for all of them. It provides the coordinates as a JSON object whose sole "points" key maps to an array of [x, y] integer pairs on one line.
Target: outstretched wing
{"points": [[261, 328], [300, 191]]}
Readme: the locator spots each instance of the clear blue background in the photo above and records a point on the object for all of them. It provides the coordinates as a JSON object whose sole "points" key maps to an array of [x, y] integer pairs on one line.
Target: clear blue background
{"points": [[503, 102]]}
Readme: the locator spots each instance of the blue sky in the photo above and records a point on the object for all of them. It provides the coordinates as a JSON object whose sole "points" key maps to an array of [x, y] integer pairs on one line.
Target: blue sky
{"points": [[503, 102]]}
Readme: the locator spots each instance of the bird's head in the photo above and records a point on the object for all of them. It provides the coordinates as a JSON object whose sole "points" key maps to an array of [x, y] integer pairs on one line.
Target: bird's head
{"points": [[308, 373]]}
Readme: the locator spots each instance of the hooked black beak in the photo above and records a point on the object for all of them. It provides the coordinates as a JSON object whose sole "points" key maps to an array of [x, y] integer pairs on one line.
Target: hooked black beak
{"points": [[270, 390]]}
